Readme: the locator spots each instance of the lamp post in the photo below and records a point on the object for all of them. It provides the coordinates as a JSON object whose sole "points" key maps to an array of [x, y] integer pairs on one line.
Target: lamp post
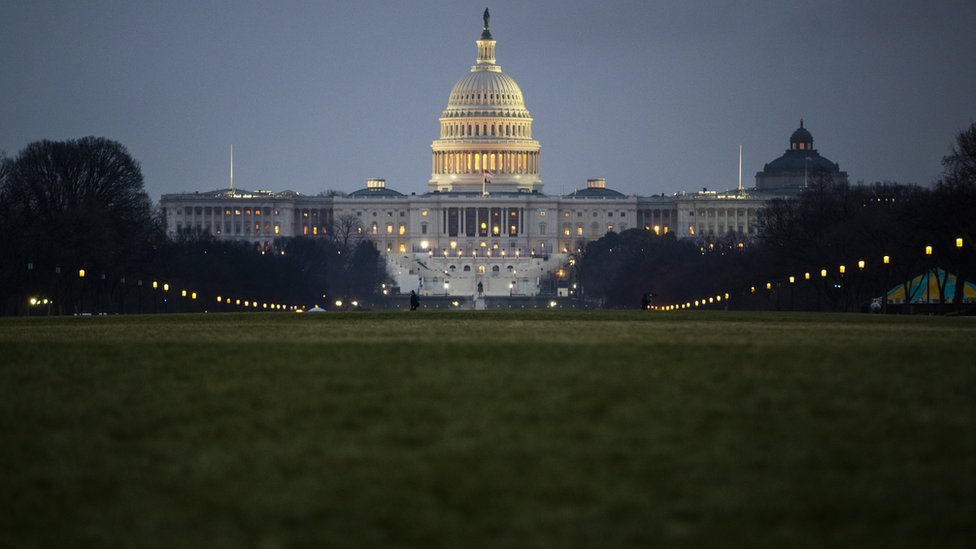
{"points": [[81, 301], [30, 277], [57, 289]]}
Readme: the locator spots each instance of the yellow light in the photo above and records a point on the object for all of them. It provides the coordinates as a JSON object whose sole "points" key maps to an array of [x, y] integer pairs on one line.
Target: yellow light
{"points": [[193, 295], [710, 300], [218, 299], [254, 304], [823, 273], [769, 285], [338, 303], [657, 229], [718, 298], [165, 287], [886, 260], [247, 303], [237, 302], [696, 303], [843, 269], [752, 289], [792, 279], [959, 242], [264, 305], [424, 244], [860, 264], [355, 304], [726, 295], [183, 293], [81, 273], [806, 276], [33, 301], [928, 250], [228, 301]]}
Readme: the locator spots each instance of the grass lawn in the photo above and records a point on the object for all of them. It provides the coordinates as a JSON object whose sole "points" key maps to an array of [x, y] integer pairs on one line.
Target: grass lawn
{"points": [[488, 429]]}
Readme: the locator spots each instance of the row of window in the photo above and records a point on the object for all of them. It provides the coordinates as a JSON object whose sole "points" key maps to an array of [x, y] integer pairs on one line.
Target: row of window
{"points": [[493, 130]]}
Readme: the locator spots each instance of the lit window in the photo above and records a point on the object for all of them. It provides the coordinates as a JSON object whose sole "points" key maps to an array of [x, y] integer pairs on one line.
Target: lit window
{"points": [[423, 213], [389, 228], [403, 229]]}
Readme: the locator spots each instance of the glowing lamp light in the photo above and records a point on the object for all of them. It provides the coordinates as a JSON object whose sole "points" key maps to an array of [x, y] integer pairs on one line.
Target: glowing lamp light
{"points": [[886, 259], [183, 293], [81, 273], [823, 273], [165, 287], [237, 302], [860, 264], [193, 295], [769, 285], [959, 242], [711, 300], [338, 303], [792, 279], [696, 303], [928, 250], [843, 269], [752, 289], [806, 276], [355, 303], [726, 295], [218, 299], [247, 303]]}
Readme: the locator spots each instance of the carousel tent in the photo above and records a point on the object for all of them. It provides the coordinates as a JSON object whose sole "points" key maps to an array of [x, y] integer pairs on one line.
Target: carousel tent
{"points": [[924, 288]]}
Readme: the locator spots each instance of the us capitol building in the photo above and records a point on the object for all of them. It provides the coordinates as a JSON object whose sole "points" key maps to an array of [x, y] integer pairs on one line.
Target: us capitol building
{"points": [[484, 218]]}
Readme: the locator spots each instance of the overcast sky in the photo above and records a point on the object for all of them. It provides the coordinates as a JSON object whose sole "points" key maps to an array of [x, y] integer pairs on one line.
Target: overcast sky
{"points": [[654, 96]]}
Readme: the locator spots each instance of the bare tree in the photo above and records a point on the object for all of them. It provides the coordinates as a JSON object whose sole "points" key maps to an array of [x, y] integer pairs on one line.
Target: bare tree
{"points": [[75, 203], [346, 232]]}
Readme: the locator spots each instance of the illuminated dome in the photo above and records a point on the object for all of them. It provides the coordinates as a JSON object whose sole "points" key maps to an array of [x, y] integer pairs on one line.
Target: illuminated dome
{"points": [[485, 142]]}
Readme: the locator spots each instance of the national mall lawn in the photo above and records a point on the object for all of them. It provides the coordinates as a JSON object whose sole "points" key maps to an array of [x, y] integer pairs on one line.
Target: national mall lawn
{"points": [[488, 429]]}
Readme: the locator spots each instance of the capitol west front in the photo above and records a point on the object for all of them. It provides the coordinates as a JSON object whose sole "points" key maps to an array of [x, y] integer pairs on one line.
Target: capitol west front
{"points": [[484, 218]]}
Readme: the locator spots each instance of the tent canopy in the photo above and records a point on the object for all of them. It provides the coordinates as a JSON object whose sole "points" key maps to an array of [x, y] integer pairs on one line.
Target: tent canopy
{"points": [[924, 288]]}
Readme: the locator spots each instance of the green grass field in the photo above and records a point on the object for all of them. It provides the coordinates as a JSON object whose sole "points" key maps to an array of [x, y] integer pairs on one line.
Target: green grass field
{"points": [[467, 429]]}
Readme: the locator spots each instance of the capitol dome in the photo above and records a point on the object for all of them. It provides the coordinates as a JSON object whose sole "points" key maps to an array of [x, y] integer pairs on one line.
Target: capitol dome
{"points": [[485, 142]]}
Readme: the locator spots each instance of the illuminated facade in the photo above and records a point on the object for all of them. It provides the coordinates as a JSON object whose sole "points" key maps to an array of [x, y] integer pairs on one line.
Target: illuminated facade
{"points": [[484, 218]]}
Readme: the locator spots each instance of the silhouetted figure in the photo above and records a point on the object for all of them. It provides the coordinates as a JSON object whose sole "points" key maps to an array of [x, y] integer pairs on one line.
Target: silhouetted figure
{"points": [[644, 302], [481, 288], [414, 300]]}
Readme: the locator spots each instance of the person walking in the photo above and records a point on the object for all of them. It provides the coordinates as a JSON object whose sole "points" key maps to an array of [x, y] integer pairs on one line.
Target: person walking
{"points": [[414, 300]]}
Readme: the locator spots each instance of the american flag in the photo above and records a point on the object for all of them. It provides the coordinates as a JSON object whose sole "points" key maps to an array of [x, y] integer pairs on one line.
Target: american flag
{"points": [[487, 176]]}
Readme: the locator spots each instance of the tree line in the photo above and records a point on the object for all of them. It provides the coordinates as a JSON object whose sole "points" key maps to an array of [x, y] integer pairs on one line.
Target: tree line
{"points": [[84, 236], [897, 231]]}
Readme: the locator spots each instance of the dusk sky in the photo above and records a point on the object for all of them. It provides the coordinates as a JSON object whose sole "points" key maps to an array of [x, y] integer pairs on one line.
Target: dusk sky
{"points": [[654, 96]]}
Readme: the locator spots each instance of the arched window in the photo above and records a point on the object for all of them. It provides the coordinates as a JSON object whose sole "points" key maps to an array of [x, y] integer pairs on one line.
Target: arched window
{"points": [[467, 268], [494, 268], [481, 269]]}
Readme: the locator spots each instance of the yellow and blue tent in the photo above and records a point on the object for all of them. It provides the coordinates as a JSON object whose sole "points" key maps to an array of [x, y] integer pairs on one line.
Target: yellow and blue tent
{"points": [[924, 288]]}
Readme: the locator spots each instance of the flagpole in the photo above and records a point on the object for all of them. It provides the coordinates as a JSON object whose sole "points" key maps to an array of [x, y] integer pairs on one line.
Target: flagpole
{"points": [[740, 168], [232, 169]]}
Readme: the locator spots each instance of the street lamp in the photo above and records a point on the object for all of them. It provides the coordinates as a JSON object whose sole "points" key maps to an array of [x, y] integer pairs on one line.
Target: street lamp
{"points": [[959, 242], [928, 250]]}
